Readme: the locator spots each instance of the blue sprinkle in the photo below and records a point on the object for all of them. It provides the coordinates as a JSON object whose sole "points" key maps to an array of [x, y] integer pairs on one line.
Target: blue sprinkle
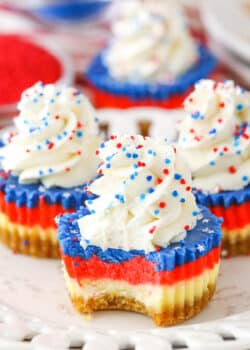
{"points": [[150, 151], [195, 213], [135, 155], [120, 198], [212, 162], [135, 166], [238, 152], [156, 211], [47, 142], [221, 154], [132, 177], [108, 165], [92, 211], [167, 161], [142, 196], [50, 170], [128, 155], [182, 200], [38, 147], [79, 133], [151, 190], [239, 107], [65, 133], [78, 101], [123, 149], [90, 201], [59, 137], [58, 93], [175, 193], [149, 178], [40, 172], [136, 173], [244, 178], [196, 115], [102, 145], [177, 176], [35, 100], [212, 131], [52, 100]]}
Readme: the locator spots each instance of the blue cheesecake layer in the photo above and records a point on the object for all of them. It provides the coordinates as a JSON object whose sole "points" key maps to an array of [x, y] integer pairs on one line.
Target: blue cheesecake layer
{"points": [[224, 198], [98, 74], [28, 195], [199, 241]]}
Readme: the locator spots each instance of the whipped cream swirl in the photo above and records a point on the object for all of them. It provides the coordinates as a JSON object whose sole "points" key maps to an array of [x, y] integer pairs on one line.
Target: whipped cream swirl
{"points": [[215, 137], [144, 196], [149, 46], [55, 138]]}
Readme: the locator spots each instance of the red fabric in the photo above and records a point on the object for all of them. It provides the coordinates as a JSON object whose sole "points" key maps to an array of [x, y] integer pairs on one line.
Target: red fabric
{"points": [[22, 64]]}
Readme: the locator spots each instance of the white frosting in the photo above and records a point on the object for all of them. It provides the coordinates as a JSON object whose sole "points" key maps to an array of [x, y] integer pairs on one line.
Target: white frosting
{"points": [[148, 46], [213, 139], [144, 196], [55, 139]]}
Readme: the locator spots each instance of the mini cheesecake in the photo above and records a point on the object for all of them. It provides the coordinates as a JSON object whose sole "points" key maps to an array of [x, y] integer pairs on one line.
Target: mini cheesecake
{"points": [[143, 244], [214, 139]]}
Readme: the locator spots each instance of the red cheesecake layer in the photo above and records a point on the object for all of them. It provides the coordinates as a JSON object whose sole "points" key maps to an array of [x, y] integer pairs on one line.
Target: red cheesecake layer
{"points": [[104, 99], [137, 270], [236, 216], [43, 215]]}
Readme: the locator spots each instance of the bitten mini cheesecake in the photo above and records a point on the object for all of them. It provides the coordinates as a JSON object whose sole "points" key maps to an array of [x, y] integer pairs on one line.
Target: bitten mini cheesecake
{"points": [[215, 141], [143, 244], [47, 160]]}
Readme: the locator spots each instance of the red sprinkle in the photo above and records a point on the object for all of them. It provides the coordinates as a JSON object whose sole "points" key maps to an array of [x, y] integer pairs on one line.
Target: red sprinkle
{"points": [[182, 181], [67, 169], [186, 227], [222, 104], [152, 230], [166, 171], [119, 145], [141, 164], [22, 64], [232, 169], [215, 149], [188, 188], [51, 145], [97, 152], [159, 180], [162, 205], [112, 137]]}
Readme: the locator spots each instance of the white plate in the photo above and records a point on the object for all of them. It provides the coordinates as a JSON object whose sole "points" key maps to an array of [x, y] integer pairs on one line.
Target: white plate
{"points": [[229, 22], [34, 304]]}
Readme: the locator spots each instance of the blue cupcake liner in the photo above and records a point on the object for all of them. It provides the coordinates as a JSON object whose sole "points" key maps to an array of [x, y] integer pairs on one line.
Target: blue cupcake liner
{"points": [[98, 75], [28, 195], [206, 234], [224, 198]]}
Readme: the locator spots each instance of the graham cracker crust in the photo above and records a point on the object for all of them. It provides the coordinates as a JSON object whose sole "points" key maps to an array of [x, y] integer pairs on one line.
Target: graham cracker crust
{"points": [[236, 242], [30, 243], [239, 246], [167, 317]]}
